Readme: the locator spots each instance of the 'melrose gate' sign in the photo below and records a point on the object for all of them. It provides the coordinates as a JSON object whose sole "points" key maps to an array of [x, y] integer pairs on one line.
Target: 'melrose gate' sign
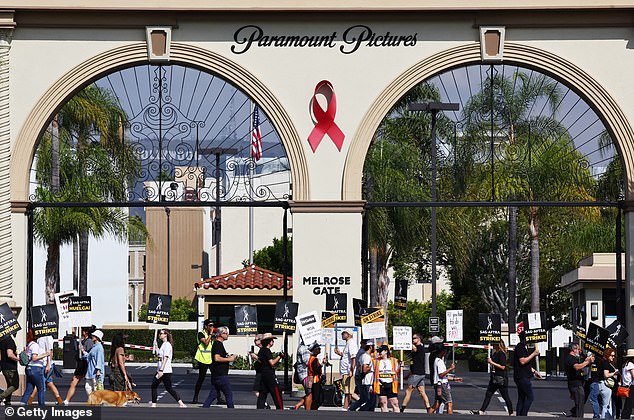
{"points": [[326, 285]]}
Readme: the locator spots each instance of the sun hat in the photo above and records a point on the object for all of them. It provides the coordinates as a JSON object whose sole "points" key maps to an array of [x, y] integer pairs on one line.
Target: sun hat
{"points": [[313, 346], [347, 330], [98, 334], [266, 336], [630, 353]]}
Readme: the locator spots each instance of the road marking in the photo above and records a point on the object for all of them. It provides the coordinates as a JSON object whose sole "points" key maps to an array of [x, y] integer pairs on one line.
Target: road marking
{"points": [[162, 394]]}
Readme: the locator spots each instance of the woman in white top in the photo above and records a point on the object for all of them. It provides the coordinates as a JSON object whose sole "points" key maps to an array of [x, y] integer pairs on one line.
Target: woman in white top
{"points": [[627, 374], [164, 369], [34, 370]]}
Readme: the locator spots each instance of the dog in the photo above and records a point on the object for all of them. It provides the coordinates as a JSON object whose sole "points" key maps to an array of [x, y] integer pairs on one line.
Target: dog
{"points": [[113, 398]]}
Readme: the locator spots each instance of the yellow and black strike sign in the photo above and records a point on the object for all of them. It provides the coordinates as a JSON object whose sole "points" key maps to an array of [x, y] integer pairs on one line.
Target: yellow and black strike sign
{"points": [[490, 326], [158, 309], [596, 339], [44, 320], [246, 319], [337, 303], [535, 327], [328, 319], [358, 305], [285, 313], [400, 294], [8, 323], [579, 321], [79, 304], [373, 315]]}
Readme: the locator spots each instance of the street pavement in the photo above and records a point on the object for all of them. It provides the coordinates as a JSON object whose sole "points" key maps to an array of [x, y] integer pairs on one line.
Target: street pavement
{"points": [[551, 398]]}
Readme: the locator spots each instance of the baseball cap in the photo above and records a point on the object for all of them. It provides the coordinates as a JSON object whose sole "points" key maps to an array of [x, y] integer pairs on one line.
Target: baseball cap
{"points": [[369, 343]]}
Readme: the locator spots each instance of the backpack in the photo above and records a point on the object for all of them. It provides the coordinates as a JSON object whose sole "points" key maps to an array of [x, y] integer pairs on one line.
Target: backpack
{"points": [[24, 358]]}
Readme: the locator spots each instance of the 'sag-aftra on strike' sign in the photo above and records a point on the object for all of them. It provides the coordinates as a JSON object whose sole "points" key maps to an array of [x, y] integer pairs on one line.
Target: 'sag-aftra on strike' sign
{"points": [[158, 309], [44, 320], [8, 323], [246, 319], [285, 313]]}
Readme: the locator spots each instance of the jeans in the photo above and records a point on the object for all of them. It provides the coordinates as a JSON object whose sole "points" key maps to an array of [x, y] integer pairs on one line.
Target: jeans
{"points": [[218, 384], [594, 400], [525, 395], [364, 403], [35, 379], [606, 401]]}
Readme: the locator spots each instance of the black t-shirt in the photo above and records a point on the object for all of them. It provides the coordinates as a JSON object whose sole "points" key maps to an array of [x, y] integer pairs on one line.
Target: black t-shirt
{"points": [[218, 368], [575, 377], [264, 355], [6, 363], [596, 374], [418, 361], [520, 370], [499, 357], [605, 365]]}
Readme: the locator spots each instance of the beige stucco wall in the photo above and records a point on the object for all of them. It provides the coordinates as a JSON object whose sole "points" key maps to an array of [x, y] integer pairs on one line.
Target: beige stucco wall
{"points": [[46, 60]]}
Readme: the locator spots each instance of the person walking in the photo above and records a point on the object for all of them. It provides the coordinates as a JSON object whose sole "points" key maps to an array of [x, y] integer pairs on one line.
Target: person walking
{"points": [[596, 376], [257, 366], [347, 366], [34, 370], [315, 376], [499, 380], [203, 355], [627, 375], [610, 379], [417, 373], [441, 378], [268, 382], [119, 375], [164, 369], [523, 372], [50, 370], [301, 369], [95, 358], [386, 370], [220, 370], [9, 365], [573, 367], [365, 373], [82, 364]]}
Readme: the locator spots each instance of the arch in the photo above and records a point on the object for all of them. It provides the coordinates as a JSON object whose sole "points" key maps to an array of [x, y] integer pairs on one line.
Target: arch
{"points": [[129, 55], [596, 96]]}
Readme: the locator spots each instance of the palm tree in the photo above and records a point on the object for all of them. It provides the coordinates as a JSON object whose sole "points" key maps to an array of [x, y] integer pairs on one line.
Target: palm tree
{"points": [[533, 158], [85, 159]]}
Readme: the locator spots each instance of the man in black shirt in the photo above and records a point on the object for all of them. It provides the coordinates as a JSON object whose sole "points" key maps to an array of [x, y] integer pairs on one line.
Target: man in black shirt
{"points": [[220, 370], [268, 383], [9, 364], [417, 373], [522, 374], [574, 373], [596, 376]]}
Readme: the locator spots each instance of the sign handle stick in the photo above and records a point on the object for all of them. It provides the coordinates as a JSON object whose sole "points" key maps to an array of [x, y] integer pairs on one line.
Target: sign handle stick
{"points": [[489, 353], [401, 370], [155, 342]]}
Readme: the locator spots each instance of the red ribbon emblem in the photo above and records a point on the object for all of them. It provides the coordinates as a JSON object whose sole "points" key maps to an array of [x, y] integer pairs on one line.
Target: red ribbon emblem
{"points": [[325, 119]]}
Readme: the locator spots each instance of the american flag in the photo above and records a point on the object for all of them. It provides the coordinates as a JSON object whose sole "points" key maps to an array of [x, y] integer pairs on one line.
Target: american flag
{"points": [[256, 135]]}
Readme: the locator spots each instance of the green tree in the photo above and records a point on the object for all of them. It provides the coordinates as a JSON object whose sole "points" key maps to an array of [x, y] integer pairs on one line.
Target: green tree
{"points": [[181, 310], [537, 160], [84, 159], [417, 315], [272, 256]]}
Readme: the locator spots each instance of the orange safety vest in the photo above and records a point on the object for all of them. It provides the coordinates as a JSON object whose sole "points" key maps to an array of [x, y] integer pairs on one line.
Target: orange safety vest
{"points": [[316, 378], [377, 374]]}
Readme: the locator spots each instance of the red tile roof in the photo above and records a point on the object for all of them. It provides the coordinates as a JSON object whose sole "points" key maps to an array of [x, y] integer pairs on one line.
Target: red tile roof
{"points": [[251, 277]]}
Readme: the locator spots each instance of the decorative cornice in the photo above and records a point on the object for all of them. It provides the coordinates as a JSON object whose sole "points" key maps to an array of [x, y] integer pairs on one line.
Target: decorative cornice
{"points": [[19, 206], [330, 206]]}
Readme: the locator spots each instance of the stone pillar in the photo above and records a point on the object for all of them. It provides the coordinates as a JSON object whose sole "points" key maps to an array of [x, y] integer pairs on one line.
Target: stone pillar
{"points": [[627, 276], [6, 261], [326, 253]]}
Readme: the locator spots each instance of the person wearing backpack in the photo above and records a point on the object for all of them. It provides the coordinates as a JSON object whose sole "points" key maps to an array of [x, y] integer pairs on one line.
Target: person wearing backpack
{"points": [[34, 370], [50, 370], [9, 363], [301, 374]]}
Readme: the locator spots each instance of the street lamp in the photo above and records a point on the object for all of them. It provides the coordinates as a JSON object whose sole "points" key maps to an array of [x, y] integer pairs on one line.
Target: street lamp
{"points": [[433, 108]]}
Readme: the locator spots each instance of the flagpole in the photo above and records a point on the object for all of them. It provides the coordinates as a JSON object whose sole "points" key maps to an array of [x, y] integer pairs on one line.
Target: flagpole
{"points": [[251, 172]]}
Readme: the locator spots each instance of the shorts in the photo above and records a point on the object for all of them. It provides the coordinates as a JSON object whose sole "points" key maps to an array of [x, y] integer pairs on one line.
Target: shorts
{"points": [[416, 380], [386, 391], [256, 382], [443, 392], [81, 369], [308, 385], [348, 384]]}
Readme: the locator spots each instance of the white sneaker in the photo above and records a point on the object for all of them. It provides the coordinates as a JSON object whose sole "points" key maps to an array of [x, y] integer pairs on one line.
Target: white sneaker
{"points": [[153, 405], [65, 402]]}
